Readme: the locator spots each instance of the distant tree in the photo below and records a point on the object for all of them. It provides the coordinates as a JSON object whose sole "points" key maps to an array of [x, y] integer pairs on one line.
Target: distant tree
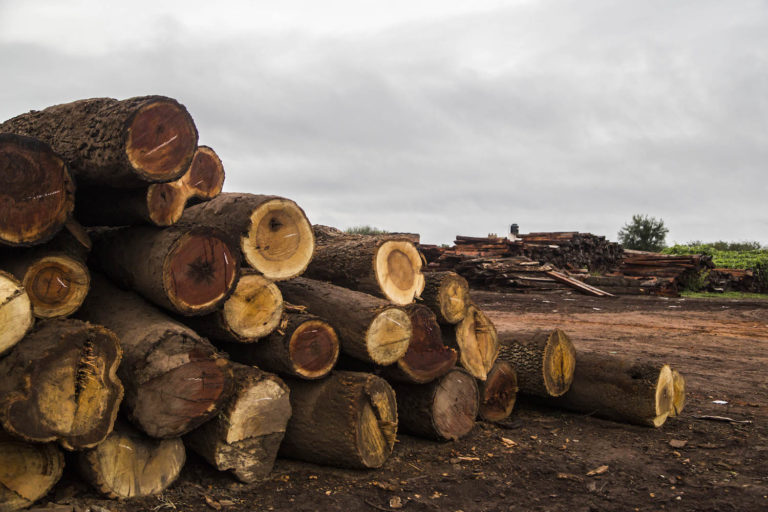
{"points": [[644, 233], [365, 230]]}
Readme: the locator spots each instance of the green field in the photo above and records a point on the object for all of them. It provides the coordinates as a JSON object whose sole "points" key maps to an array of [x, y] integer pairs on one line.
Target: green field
{"points": [[725, 254], [723, 295]]}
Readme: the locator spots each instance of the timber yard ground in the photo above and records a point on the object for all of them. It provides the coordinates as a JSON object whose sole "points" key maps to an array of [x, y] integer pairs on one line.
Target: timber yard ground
{"points": [[541, 458]]}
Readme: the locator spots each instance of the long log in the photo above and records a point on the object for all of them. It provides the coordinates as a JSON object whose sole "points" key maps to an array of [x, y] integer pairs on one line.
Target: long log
{"points": [[544, 361], [348, 419], [174, 380], [369, 328], [477, 341], [498, 392], [246, 434], [27, 471], [115, 143], [36, 191], [60, 384], [273, 233], [16, 317], [447, 295]]}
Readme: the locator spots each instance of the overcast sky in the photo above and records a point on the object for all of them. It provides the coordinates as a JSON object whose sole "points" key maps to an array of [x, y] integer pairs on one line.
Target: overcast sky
{"points": [[439, 117]]}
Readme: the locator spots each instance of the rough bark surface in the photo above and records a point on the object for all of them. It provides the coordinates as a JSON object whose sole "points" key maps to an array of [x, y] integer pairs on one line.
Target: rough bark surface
{"points": [[476, 339], [544, 362], [16, 317], [27, 471], [447, 295], [498, 392]]}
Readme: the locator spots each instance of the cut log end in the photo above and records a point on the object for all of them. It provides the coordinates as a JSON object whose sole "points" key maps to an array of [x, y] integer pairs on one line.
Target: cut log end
{"points": [[57, 285], [678, 387], [427, 357], [478, 343], [453, 298], [15, 312], [205, 177], [388, 336], [27, 472], [559, 363], [254, 309], [455, 405], [377, 424], [665, 396], [398, 271], [498, 393], [313, 349], [165, 203]]}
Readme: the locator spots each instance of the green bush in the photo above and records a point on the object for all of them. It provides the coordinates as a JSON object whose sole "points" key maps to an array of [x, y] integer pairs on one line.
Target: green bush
{"points": [[365, 230]]}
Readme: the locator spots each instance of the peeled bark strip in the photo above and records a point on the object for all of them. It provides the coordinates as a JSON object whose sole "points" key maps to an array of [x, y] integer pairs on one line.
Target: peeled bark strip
{"points": [[272, 233], [115, 143], [678, 388], [60, 384], [27, 471], [245, 436], [174, 380], [477, 341], [544, 362], [447, 295], [384, 266], [36, 191], [498, 393], [16, 317], [190, 271], [444, 409], [347, 420], [128, 464], [370, 329]]}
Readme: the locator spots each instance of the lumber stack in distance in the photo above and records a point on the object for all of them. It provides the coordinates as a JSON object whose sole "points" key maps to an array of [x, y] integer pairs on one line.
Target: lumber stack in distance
{"points": [[369, 328], [128, 464], [246, 434], [115, 143], [189, 271], [544, 361], [272, 233], [303, 346], [160, 204], [36, 191], [16, 317], [447, 295], [27, 471], [174, 380], [444, 409], [498, 392], [348, 419], [60, 384], [678, 389], [477, 341], [387, 266]]}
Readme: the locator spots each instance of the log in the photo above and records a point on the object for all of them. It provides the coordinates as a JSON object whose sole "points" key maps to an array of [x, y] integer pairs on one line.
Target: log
{"points": [[60, 384], [36, 191], [447, 295], [369, 328], [16, 317], [272, 233], [174, 380], [303, 346], [477, 342], [498, 392], [384, 266], [27, 471], [128, 464], [115, 143], [443, 410], [678, 388], [161, 204], [544, 362], [348, 419], [189, 271], [246, 434]]}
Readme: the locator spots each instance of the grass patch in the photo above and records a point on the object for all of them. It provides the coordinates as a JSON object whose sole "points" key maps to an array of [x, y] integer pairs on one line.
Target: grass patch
{"points": [[724, 295], [365, 230]]}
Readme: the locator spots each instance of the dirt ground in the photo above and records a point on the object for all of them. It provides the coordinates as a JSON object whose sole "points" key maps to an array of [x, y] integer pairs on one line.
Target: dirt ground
{"points": [[539, 460]]}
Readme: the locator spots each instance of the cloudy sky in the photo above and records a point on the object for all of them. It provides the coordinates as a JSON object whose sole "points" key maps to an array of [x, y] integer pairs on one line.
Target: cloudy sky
{"points": [[439, 117]]}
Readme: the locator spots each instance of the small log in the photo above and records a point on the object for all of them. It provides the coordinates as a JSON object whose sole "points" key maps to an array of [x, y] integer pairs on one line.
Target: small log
{"points": [[678, 388], [477, 341], [115, 143], [128, 464], [27, 471], [60, 384], [498, 393], [444, 410], [189, 271], [246, 434], [348, 419], [303, 346], [272, 233], [447, 295], [36, 191], [369, 328], [544, 362], [16, 317]]}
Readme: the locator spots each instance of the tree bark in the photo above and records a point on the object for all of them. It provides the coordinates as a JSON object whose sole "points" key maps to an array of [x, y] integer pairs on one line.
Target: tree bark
{"points": [[678, 388], [498, 393], [447, 295], [477, 341], [115, 143], [60, 384], [369, 328], [348, 420], [27, 471], [245, 436], [16, 317]]}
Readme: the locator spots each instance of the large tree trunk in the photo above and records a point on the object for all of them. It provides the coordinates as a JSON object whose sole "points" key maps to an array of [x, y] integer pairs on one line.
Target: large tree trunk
{"points": [[61, 384], [445, 409], [27, 471], [498, 392], [348, 419], [272, 233], [447, 295], [189, 271], [174, 380], [16, 317], [245, 436], [385, 266], [128, 464], [544, 361], [36, 191], [369, 328], [161, 204], [475, 337], [115, 143]]}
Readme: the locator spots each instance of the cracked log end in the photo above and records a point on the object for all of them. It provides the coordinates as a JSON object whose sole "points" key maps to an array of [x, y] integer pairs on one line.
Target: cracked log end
{"points": [[388, 336], [478, 343], [57, 285], [559, 363], [254, 309]]}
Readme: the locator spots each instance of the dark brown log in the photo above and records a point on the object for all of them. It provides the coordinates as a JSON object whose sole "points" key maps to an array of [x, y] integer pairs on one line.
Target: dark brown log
{"points": [[36, 191], [447, 295], [174, 380], [27, 471], [678, 388], [476, 339], [189, 271], [115, 143], [369, 328], [544, 362], [60, 384], [348, 419], [498, 393], [444, 410], [246, 434], [16, 317], [128, 464], [272, 233]]}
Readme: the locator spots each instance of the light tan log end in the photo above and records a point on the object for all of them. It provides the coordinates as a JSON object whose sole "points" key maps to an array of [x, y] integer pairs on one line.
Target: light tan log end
{"points": [[559, 363], [27, 472], [388, 336], [665, 395], [678, 386], [15, 312], [478, 343], [398, 271], [254, 309], [377, 424]]}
